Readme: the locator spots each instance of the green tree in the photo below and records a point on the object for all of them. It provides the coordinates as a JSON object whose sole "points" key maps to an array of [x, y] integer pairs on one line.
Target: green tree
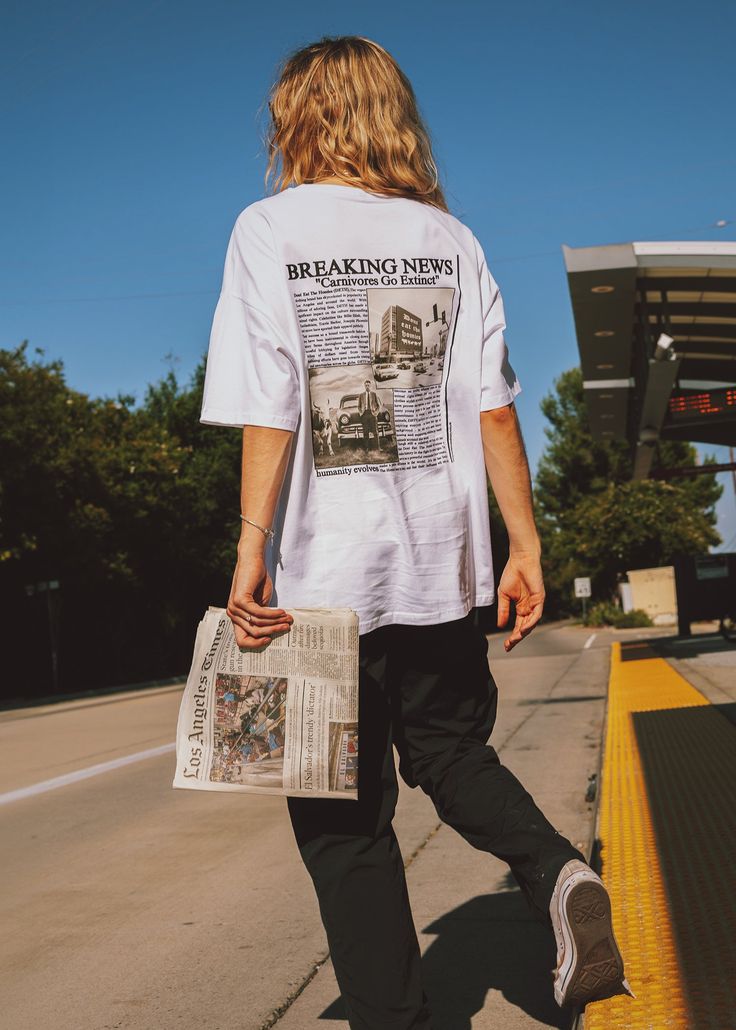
{"points": [[132, 508], [81, 477], [594, 519], [209, 477]]}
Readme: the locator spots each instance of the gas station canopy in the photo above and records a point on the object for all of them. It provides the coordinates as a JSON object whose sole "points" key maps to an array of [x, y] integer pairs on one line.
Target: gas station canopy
{"points": [[656, 331]]}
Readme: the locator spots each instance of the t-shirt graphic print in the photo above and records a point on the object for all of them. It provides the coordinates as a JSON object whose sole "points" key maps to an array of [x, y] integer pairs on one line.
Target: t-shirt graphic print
{"points": [[370, 327], [376, 358]]}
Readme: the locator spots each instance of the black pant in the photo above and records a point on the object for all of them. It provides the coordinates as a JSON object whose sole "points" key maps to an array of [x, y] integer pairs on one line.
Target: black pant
{"points": [[429, 691]]}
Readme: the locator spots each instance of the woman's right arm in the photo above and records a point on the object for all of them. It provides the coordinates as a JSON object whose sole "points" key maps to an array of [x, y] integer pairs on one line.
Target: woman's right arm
{"points": [[265, 459], [508, 471]]}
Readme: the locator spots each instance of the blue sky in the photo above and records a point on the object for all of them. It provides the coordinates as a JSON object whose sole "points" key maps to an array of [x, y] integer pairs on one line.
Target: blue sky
{"points": [[132, 140]]}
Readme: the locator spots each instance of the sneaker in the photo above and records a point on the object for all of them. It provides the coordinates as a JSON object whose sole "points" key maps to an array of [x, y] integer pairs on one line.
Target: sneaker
{"points": [[589, 964]]}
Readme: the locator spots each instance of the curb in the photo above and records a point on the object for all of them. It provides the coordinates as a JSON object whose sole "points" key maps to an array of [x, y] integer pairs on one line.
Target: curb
{"points": [[593, 850], [52, 699]]}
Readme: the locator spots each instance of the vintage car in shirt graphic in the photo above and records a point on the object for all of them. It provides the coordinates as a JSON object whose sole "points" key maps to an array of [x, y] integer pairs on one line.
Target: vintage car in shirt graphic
{"points": [[342, 432], [349, 423]]}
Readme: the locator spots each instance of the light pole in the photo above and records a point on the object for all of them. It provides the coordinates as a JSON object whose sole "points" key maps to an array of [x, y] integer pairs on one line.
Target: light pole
{"points": [[50, 587]]}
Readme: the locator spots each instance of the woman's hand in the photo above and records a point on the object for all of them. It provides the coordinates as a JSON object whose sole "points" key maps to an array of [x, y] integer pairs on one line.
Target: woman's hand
{"points": [[251, 590], [521, 582]]}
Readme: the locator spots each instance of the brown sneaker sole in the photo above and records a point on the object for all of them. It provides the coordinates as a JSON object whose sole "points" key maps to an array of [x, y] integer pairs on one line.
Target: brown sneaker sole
{"points": [[597, 969]]}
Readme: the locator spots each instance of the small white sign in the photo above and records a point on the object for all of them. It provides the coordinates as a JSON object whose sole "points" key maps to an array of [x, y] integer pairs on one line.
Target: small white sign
{"points": [[582, 586]]}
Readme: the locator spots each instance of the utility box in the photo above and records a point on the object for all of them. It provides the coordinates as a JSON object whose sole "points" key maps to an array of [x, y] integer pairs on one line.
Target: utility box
{"points": [[706, 588], [653, 590]]}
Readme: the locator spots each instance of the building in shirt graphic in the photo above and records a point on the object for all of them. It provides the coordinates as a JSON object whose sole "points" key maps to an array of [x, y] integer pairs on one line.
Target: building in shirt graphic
{"points": [[401, 334], [436, 343]]}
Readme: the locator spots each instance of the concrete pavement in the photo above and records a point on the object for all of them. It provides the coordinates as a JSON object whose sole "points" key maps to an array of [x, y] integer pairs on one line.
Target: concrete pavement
{"points": [[130, 905]]}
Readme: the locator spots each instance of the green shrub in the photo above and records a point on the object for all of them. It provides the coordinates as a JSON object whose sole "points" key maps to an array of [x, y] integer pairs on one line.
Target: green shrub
{"points": [[636, 617], [606, 613], [602, 613]]}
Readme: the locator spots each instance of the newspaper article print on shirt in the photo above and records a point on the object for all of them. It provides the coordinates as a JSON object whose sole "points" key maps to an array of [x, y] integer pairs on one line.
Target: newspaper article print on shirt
{"points": [[378, 336], [281, 720]]}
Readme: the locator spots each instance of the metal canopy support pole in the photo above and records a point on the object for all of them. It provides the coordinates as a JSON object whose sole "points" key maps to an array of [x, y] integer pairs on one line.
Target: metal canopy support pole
{"points": [[662, 370], [661, 379]]}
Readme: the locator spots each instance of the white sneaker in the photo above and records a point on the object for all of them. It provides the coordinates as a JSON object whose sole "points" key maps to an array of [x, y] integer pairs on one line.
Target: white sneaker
{"points": [[589, 964]]}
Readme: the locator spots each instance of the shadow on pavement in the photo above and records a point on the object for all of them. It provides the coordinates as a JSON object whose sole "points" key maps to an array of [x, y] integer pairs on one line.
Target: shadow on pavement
{"points": [[490, 943], [675, 647], [689, 760], [728, 710]]}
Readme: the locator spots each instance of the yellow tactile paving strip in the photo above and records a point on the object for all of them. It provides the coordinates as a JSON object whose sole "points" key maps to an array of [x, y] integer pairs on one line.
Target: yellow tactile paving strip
{"points": [[640, 877]]}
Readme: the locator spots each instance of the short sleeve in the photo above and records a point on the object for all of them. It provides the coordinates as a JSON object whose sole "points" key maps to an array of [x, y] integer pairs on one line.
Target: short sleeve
{"points": [[252, 375], [499, 382]]}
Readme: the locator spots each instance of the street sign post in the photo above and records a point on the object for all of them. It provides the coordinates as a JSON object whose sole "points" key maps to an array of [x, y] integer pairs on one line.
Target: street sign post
{"points": [[582, 590]]}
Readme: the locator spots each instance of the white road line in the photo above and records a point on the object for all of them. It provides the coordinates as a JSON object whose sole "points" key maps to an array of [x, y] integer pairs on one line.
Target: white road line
{"points": [[590, 640], [83, 774]]}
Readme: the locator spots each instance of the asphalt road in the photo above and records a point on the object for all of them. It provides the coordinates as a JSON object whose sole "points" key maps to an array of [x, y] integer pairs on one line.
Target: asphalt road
{"points": [[127, 904]]}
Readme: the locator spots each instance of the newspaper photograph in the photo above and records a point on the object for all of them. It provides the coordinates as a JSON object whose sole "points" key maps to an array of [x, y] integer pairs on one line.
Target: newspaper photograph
{"points": [[280, 720]]}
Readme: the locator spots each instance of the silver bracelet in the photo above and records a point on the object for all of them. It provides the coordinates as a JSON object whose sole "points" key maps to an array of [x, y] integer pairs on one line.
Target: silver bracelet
{"points": [[268, 533]]}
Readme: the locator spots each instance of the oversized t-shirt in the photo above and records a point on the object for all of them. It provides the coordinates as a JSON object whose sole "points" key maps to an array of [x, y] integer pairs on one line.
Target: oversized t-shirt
{"points": [[372, 327]]}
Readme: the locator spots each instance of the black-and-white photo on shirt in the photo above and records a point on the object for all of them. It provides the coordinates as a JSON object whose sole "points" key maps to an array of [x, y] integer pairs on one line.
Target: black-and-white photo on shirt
{"points": [[352, 418]]}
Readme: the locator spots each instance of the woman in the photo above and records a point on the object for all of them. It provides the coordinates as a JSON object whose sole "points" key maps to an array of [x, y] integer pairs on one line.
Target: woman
{"points": [[355, 262]]}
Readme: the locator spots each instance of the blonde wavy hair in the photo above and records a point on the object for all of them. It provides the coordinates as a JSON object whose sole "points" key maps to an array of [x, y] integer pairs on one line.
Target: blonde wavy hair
{"points": [[342, 108]]}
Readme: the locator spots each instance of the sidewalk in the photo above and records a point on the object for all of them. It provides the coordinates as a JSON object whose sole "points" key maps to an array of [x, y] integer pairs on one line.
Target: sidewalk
{"points": [[487, 963]]}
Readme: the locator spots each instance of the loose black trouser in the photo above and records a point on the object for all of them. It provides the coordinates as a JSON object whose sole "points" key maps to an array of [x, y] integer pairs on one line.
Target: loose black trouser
{"points": [[429, 691]]}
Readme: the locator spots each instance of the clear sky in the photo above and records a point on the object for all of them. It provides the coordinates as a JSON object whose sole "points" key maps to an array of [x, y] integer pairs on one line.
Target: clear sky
{"points": [[132, 140]]}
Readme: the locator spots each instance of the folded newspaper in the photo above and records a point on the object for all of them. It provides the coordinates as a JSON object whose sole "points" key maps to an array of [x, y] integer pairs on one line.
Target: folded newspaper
{"points": [[281, 720]]}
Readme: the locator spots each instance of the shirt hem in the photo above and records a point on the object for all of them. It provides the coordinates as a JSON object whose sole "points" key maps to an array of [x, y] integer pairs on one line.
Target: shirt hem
{"points": [[498, 400], [238, 419], [432, 618]]}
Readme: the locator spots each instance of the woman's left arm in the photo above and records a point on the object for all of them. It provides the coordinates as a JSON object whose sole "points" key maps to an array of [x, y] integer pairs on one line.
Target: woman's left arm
{"points": [[265, 459]]}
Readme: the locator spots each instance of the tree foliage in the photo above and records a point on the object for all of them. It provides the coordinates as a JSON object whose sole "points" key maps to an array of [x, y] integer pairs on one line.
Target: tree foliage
{"points": [[132, 509], [595, 520]]}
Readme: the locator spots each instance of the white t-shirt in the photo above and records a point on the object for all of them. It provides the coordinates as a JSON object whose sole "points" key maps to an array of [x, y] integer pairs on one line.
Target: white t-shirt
{"points": [[371, 326]]}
